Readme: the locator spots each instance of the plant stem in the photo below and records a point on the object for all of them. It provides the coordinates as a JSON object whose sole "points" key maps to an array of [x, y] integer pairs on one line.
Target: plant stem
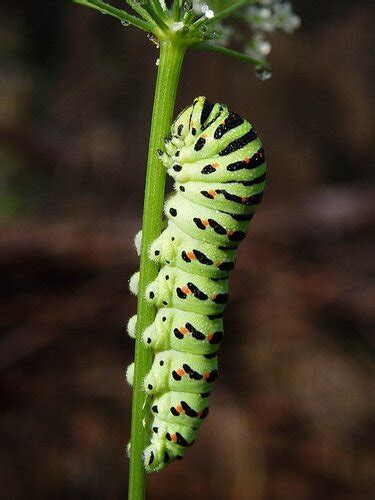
{"points": [[222, 14], [105, 8], [229, 52], [171, 57]]}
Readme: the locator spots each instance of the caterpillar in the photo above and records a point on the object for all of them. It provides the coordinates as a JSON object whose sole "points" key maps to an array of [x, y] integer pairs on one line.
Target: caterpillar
{"points": [[218, 165]]}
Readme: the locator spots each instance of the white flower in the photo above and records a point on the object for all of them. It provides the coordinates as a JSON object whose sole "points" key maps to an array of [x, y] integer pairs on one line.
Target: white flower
{"points": [[258, 47], [285, 17]]}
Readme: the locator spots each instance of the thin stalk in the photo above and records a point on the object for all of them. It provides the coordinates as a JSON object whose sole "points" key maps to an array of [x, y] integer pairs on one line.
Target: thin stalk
{"points": [[222, 14], [171, 57], [105, 8], [176, 10], [229, 52], [141, 11]]}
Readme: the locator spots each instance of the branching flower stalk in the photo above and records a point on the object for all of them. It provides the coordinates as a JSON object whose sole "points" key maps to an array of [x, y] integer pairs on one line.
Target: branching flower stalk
{"points": [[174, 28]]}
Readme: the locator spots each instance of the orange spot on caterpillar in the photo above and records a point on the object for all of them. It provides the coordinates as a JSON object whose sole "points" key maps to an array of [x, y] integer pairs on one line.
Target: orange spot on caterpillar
{"points": [[244, 199], [213, 296], [229, 233], [209, 336], [174, 438], [206, 376], [212, 193], [204, 222], [215, 165], [218, 264], [181, 372], [179, 409], [246, 160], [191, 255], [203, 136], [183, 330], [186, 290]]}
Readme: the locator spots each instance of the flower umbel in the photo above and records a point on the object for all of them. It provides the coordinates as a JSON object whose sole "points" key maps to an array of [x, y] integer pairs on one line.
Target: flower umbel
{"points": [[211, 25]]}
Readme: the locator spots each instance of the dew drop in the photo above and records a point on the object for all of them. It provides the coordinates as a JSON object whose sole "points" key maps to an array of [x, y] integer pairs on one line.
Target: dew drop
{"points": [[153, 39], [263, 72], [125, 23], [157, 62], [187, 5], [216, 34]]}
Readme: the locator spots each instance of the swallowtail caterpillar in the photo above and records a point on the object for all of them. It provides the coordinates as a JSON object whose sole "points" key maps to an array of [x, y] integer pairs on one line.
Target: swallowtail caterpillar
{"points": [[217, 162]]}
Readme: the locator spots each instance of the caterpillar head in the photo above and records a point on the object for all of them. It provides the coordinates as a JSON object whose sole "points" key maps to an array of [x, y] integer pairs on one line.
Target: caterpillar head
{"points": [[180, 127], [203, 113], [198, 117]]}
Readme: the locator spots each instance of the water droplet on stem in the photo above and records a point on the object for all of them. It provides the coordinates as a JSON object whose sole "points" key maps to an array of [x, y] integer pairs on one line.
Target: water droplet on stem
{"points": [[263, 72], [187, 5]]}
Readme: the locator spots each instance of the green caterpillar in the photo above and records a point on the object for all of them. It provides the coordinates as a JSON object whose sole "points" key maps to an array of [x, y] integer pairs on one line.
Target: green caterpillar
{"points": [[218, 165]]}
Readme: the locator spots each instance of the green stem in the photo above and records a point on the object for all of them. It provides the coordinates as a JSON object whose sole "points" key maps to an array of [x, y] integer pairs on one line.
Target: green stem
{"points": [[105, 8], [176, 10], [222, 14], [171, 57], [229, 52]]}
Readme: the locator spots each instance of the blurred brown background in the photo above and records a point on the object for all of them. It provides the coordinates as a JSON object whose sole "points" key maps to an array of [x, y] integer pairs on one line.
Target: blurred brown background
{"points": [[291, 412]]}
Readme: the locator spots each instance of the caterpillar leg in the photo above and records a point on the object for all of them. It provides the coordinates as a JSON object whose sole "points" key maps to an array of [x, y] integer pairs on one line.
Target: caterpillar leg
{"points": [[138, 242], [130, 374], [131, 326], [134, 283]]}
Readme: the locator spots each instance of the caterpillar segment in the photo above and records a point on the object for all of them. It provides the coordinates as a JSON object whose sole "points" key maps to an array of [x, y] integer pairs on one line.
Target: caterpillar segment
{"points": [[181, 290], [217, 162], [176, 248], [184, 331], [234, 197], [209, 225]]}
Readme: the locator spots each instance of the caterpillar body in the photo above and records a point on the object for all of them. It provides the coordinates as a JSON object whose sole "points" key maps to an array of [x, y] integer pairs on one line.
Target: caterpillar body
{"points": [[217, 162]]}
